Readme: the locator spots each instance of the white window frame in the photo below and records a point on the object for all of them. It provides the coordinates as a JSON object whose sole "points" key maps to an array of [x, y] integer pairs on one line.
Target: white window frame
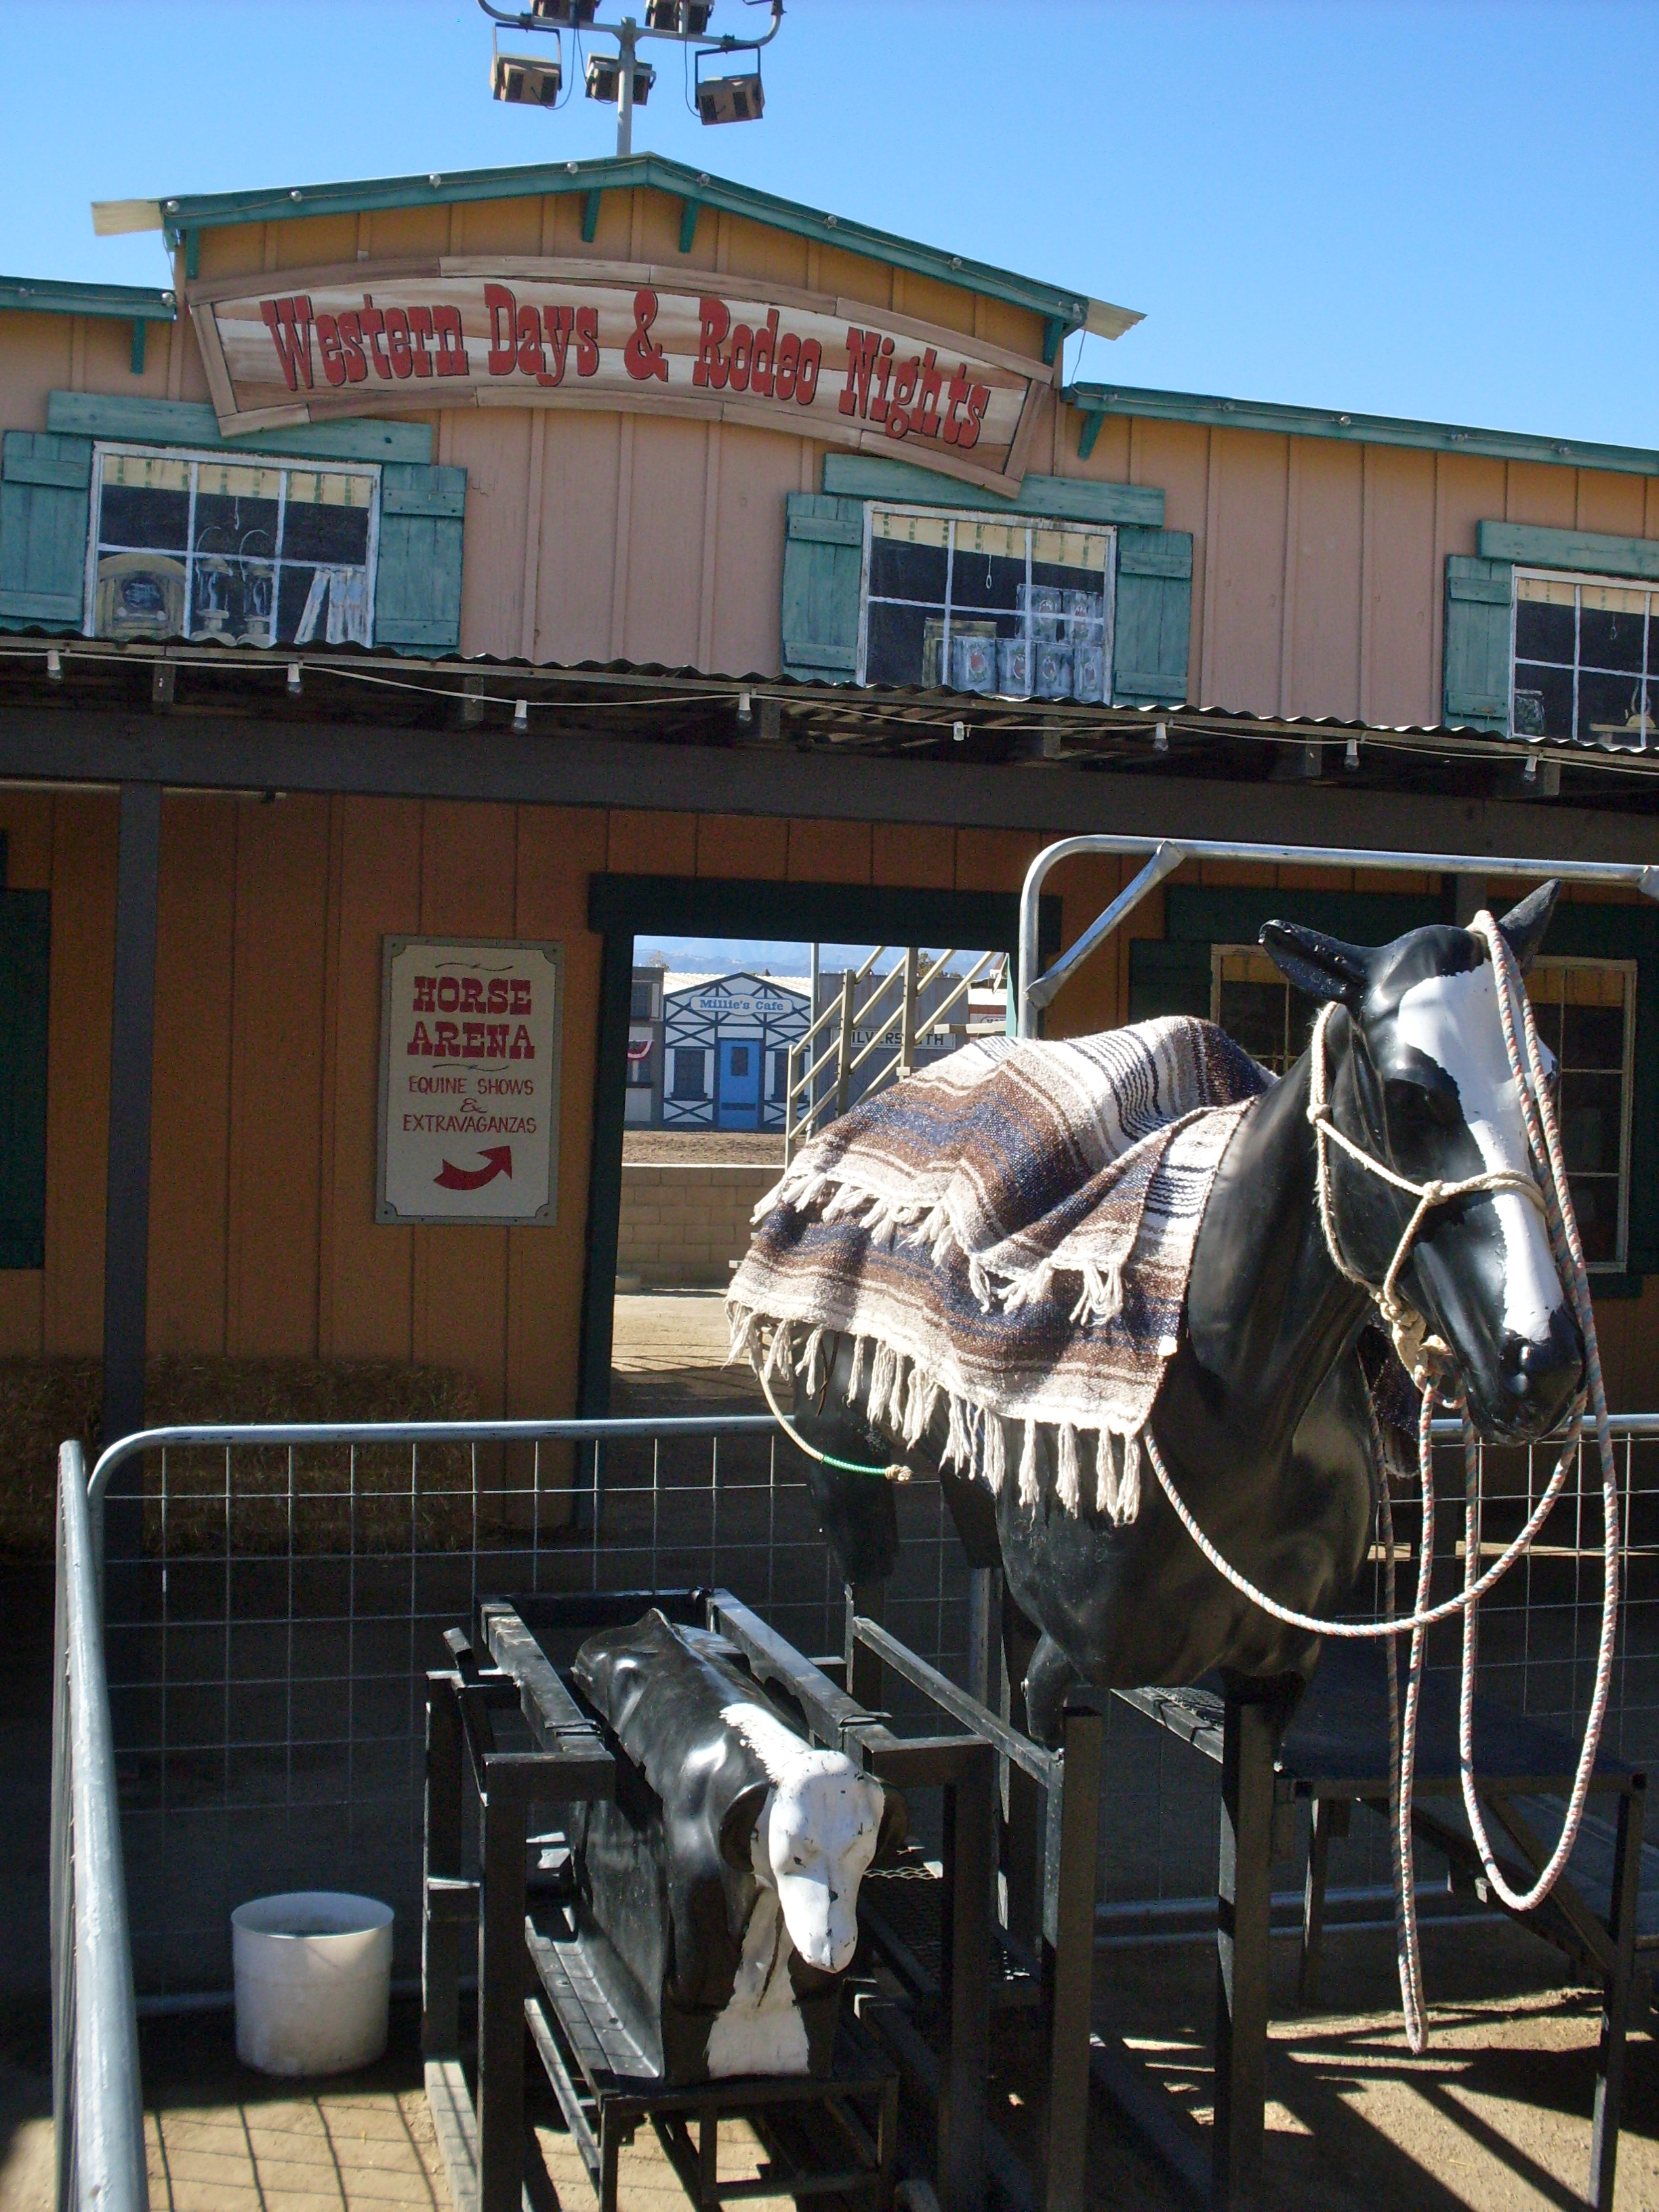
{"points": [[1649, 678], [1619, 1263], [953, 515], [288, 464]]}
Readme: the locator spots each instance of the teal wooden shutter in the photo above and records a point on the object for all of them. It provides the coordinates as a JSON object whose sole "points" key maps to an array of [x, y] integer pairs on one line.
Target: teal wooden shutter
{"points": [[1479, 597], [1154, 617], [46, 506], [25, 944], [823, 569], [417, 577], [1168, 978]]}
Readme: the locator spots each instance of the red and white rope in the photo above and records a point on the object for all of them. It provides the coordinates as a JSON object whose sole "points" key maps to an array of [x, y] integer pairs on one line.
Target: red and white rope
{"points": [[1426, 1357]]}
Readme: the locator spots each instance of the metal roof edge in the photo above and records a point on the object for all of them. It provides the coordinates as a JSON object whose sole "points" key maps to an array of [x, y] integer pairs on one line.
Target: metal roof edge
{"points": [[1358, 429], [45, 295], [187, 211]]}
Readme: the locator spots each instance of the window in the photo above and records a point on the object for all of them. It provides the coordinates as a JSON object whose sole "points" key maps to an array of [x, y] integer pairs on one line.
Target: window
{"points": [[688, 1074], [1584, 1012], [740, 1060], [642, 1000], [247, 552], [977, 603], [780, 1076], [1586, 660], [639, 1063]]}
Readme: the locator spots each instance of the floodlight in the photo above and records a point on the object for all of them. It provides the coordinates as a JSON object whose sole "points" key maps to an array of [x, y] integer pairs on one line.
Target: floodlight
{"points": [[686, 19], [737, 99], [570, 14], [604, 79], [526, 80]]}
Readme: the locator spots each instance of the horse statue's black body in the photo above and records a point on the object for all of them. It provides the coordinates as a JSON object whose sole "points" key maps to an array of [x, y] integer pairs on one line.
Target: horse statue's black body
{"points": [[1262, 1418]]}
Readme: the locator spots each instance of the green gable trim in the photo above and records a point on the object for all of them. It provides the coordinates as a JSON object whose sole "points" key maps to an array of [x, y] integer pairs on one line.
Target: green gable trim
{"points": [[1358, 429], [1059, 499], [192, 422], [189, 213], [1570, 549], [1197, 913], [39, 296]]}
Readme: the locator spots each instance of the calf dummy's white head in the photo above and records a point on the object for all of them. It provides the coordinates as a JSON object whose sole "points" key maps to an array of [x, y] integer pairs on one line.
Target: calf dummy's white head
{"points": [[815, 1837]]}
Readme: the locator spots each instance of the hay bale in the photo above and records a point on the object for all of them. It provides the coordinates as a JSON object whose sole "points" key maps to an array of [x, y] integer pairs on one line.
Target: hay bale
{"points": [[313, 1500]]}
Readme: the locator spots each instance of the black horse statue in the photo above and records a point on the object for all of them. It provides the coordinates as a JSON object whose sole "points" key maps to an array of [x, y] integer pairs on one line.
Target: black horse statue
{"points": [[1261, 1417]]}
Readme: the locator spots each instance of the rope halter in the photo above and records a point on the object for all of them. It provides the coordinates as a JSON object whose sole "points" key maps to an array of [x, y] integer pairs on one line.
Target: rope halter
{"points": [[1426, 1357]]}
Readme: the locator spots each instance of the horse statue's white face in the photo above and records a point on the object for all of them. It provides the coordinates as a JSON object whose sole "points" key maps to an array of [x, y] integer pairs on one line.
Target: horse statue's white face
{"points": [[1422, 1080]]}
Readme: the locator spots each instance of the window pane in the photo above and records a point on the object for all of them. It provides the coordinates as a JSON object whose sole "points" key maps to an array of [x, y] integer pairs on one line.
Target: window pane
{"points": [[333, 534], [1252, 1015], [1543, 628], [908, 556], [1609, 709], [1596, 1202], [894, 655], [1594, 1036], [986, 583], [146, 502], [1543, 701], [1610, 628], [1590, 1122]]}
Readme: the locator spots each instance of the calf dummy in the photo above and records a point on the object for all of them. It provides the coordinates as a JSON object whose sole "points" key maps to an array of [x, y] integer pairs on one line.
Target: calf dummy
{"points": [[724, 1876]]}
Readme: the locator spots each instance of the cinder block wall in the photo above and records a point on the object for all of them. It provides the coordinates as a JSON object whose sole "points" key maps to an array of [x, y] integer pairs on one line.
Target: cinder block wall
{"points": [[687, 1224]]}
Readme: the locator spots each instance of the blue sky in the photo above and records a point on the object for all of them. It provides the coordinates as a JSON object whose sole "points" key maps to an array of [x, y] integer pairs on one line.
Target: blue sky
{"points": [[1444, 210]]}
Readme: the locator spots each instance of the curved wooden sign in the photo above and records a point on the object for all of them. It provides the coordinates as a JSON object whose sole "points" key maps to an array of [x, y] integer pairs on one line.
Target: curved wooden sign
{"points": [[503, 331]]}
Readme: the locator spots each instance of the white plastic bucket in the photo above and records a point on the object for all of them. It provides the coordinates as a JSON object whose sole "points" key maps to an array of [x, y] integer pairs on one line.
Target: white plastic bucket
{"points": [[313, 1977]]}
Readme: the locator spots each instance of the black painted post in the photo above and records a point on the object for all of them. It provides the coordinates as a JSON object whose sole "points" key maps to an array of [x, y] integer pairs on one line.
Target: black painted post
{"points": [[1068, 1958], [966, 1972], [501, 1997], [865, 1672], [132, 1048], [441, 1938], [1245, 1901], [1615, 2002]]}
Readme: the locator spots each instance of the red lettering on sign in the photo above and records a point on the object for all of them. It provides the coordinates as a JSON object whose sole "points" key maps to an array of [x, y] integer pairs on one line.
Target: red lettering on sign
{"points": [[451, 349], [351, 341], [742, 350], [588, 341], [447, 1035], [449, 993], [425, 986], [420, 1043], [640, 357], [333, 353], [495, 1041], [788, 362], [806, 377], [559, 323], [288, 322], [373, 323], [766, 345], [862, 349], [979, 398], [420, 326], [714, 322], [883, 372], [472, 994], [954, 398], [926, 420], [397, 344], [495, 997], [904, 384], [521, 1048], [520, 995], [504, 329], [472, 1038]]}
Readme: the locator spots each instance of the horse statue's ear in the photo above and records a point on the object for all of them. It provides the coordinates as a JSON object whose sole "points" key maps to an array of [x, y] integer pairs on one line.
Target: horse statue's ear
{"points": [[1323, 967], [1524, 925]]}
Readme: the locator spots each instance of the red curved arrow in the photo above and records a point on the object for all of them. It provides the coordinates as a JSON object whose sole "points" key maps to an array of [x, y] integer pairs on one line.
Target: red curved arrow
{"points": [[500, 1156]]}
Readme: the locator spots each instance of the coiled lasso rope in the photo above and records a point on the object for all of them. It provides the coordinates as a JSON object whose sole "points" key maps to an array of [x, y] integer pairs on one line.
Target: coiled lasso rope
{"points": [[1427, 1359]]}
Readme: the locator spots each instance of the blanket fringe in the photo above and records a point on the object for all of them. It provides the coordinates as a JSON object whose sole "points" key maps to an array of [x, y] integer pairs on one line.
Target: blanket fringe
{"points": [[1068, 1479], [994, 1452], [1029, 1491]]}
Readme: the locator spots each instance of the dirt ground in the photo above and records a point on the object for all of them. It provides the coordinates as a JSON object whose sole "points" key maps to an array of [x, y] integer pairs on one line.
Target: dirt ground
{"points": [[668, 1356], [688, 1148]]}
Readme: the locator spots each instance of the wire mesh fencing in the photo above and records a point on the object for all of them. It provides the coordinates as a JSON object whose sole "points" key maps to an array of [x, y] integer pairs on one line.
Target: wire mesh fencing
{"points": [[274, 1598]]}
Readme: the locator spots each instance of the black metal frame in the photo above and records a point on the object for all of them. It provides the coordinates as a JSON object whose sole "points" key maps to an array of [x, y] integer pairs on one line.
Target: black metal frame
{"points": [[805, 2123]]}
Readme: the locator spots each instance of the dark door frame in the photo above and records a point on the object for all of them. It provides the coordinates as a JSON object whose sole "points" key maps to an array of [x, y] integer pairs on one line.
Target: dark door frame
{"points": [[621, 908]]}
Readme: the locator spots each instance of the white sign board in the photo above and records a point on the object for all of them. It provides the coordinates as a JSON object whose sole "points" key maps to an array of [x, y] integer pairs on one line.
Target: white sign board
{"points": [[470, 1039]]}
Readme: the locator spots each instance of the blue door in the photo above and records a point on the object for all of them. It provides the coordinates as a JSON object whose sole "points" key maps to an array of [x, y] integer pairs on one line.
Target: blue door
{"points": [[739, 1099]]}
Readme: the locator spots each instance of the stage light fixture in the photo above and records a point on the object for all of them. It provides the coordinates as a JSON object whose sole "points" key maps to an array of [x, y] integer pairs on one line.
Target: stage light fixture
{"points": [[604, 79], [738, 99], [568, 14], [526, 80], [684, 19]]}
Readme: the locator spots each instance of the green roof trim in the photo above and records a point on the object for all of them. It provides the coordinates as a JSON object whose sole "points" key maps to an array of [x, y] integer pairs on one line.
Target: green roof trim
{"points": [[1098, 400], [185, 212], [42, 295]]}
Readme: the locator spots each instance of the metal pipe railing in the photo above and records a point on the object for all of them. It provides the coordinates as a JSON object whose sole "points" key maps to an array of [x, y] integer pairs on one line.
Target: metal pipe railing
{"points": [[1166, 854], [97, 2113]]}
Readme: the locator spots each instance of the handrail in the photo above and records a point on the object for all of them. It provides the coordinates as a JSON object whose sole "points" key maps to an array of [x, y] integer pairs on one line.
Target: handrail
{"points": [[97, 2102], [1166, 854]]}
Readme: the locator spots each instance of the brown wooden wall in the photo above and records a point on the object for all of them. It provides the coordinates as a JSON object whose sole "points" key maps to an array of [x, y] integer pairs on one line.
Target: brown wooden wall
{"points": [[263, 1236], [1319, 567]]}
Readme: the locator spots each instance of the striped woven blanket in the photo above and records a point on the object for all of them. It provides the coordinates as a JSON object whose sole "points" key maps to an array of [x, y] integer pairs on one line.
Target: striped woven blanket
{"points": [[1010, 1232]]}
